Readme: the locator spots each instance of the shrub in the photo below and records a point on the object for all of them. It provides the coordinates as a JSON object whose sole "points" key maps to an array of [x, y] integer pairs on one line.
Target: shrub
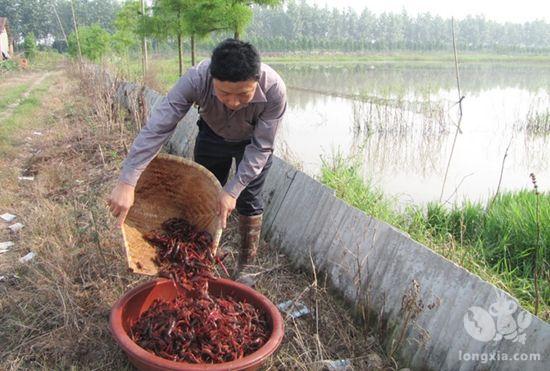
{"points": [[30, 46], [94, 42]]}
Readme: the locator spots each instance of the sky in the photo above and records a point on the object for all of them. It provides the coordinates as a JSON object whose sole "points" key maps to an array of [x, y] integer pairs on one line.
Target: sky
{"points": [[498, 10]]}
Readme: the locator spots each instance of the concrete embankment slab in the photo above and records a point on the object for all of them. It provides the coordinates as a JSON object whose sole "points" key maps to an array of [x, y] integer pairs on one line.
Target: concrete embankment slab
{"points": [[433, 314]]}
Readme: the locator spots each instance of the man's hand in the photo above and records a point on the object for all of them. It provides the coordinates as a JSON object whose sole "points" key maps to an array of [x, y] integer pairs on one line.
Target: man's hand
{"points": [[120, 201], [226, 206]]}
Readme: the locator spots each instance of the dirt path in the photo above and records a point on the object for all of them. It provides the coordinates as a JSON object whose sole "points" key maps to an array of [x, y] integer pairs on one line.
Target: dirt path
{"points": [[55, 307], [38, 79]]}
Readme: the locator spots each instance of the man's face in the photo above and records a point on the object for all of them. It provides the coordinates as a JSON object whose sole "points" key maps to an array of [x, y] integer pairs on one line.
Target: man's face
{"points": [[235, 95]]}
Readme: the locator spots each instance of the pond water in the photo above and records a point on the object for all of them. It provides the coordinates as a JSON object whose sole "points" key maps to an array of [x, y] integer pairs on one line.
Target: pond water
{"points": [[400, 122]]}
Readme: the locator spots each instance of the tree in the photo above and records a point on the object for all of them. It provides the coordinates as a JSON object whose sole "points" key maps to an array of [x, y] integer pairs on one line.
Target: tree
{"points": [[30, 46], [168, 20], [26, 17], [127, 25], [94, 42], [239, 13], [38, 16], [203, 18]]}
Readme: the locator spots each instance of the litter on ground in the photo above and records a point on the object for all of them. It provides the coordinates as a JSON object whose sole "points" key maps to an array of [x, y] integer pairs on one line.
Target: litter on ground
{"points": [[27, 257], [16, 227], [287, 306], [5, 246], [7, 217]]}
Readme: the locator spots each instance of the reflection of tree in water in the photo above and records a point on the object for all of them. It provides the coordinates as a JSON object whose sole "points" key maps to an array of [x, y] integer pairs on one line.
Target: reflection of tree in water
{"points": [[371, 117], [397, 129], [383, 152], [532, 152], [306, 100], [396, 139], [416, 80], [537, 121]]}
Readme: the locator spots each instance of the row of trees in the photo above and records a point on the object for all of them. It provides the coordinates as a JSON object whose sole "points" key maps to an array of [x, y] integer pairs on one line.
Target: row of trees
{"points": [[300, 26], [106, 23], [296, 26], [179, 19], [52, 19]]}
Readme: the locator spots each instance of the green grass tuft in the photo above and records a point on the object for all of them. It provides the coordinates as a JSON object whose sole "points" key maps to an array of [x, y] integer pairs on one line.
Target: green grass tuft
{"points": [[23, 114], [346, 180], [11, 95], [497, 244]]}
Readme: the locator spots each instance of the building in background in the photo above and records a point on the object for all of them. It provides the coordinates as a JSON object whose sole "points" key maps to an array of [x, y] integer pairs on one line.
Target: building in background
{"points": [[6, 45]]}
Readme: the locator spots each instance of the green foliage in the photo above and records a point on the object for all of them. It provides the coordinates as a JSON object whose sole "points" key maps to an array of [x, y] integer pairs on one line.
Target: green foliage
{"points": [[507, 232], [510, 234], [60, 46], [204, 17], [7, 66], [47, 59], [345, 178], [127, 24], [30, 46], [499, 244], [24, 113], [11, 95], [297, 26], [94, 42], [25, 17], [197, 17], [38, 17], [464, 224], [238, 16], [302, 26]]}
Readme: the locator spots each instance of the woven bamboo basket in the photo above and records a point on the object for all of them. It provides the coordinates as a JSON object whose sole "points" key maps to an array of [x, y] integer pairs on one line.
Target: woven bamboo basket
{"points": [[170, 187]]}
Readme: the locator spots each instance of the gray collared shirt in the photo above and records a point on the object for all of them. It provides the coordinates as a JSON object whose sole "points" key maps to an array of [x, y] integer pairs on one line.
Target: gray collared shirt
{"points": [[258, 121]]}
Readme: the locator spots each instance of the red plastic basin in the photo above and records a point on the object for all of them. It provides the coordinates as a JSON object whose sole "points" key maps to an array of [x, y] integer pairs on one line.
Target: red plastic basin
{"points": [[136, 301]]}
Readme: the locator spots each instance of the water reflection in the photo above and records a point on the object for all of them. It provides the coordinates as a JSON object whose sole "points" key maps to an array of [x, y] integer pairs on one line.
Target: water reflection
{"points": [[406, 148], [417, 79]]}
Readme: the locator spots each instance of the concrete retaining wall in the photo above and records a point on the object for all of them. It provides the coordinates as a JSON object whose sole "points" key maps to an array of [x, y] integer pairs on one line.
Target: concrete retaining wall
{"points": [[423, 303]]}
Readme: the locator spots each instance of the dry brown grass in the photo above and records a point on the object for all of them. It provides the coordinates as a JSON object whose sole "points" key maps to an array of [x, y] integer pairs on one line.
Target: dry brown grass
{"points": [[54, 310], [329, 332]]}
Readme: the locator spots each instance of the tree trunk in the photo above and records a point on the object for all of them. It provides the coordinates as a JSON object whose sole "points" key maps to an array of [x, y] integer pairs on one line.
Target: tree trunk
{"points": [[192, 49], [76, 33], [180, 53], [60, 25], [144, 60], [236, 34]]}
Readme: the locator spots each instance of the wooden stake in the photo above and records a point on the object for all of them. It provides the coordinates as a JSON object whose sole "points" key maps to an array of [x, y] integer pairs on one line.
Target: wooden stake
{"points": [[76, 32], [460, 98], [144, 59]]}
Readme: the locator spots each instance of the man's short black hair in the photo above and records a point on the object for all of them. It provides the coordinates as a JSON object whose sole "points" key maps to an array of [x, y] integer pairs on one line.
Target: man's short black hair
{"points": [[235, 60]]}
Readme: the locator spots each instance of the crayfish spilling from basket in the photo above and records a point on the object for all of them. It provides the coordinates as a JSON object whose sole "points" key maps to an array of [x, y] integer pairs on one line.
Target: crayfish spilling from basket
{"points": [[196, 327]]}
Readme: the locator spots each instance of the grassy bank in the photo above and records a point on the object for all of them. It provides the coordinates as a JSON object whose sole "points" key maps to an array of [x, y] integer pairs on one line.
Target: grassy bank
{"points": [[11, 94], [24, 103], [504, 243], [43, 61], [401, 57]]}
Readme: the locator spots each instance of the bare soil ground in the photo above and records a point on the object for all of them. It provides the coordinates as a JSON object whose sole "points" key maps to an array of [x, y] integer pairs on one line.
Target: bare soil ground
{"points": [[54, 308]]}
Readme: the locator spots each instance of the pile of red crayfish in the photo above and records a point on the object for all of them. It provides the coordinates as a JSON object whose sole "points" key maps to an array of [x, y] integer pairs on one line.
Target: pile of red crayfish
{"points": [[195, 327]]}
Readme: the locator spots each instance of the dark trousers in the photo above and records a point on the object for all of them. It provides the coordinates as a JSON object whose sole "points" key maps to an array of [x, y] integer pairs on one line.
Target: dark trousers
{"points": [[216, 154]]}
